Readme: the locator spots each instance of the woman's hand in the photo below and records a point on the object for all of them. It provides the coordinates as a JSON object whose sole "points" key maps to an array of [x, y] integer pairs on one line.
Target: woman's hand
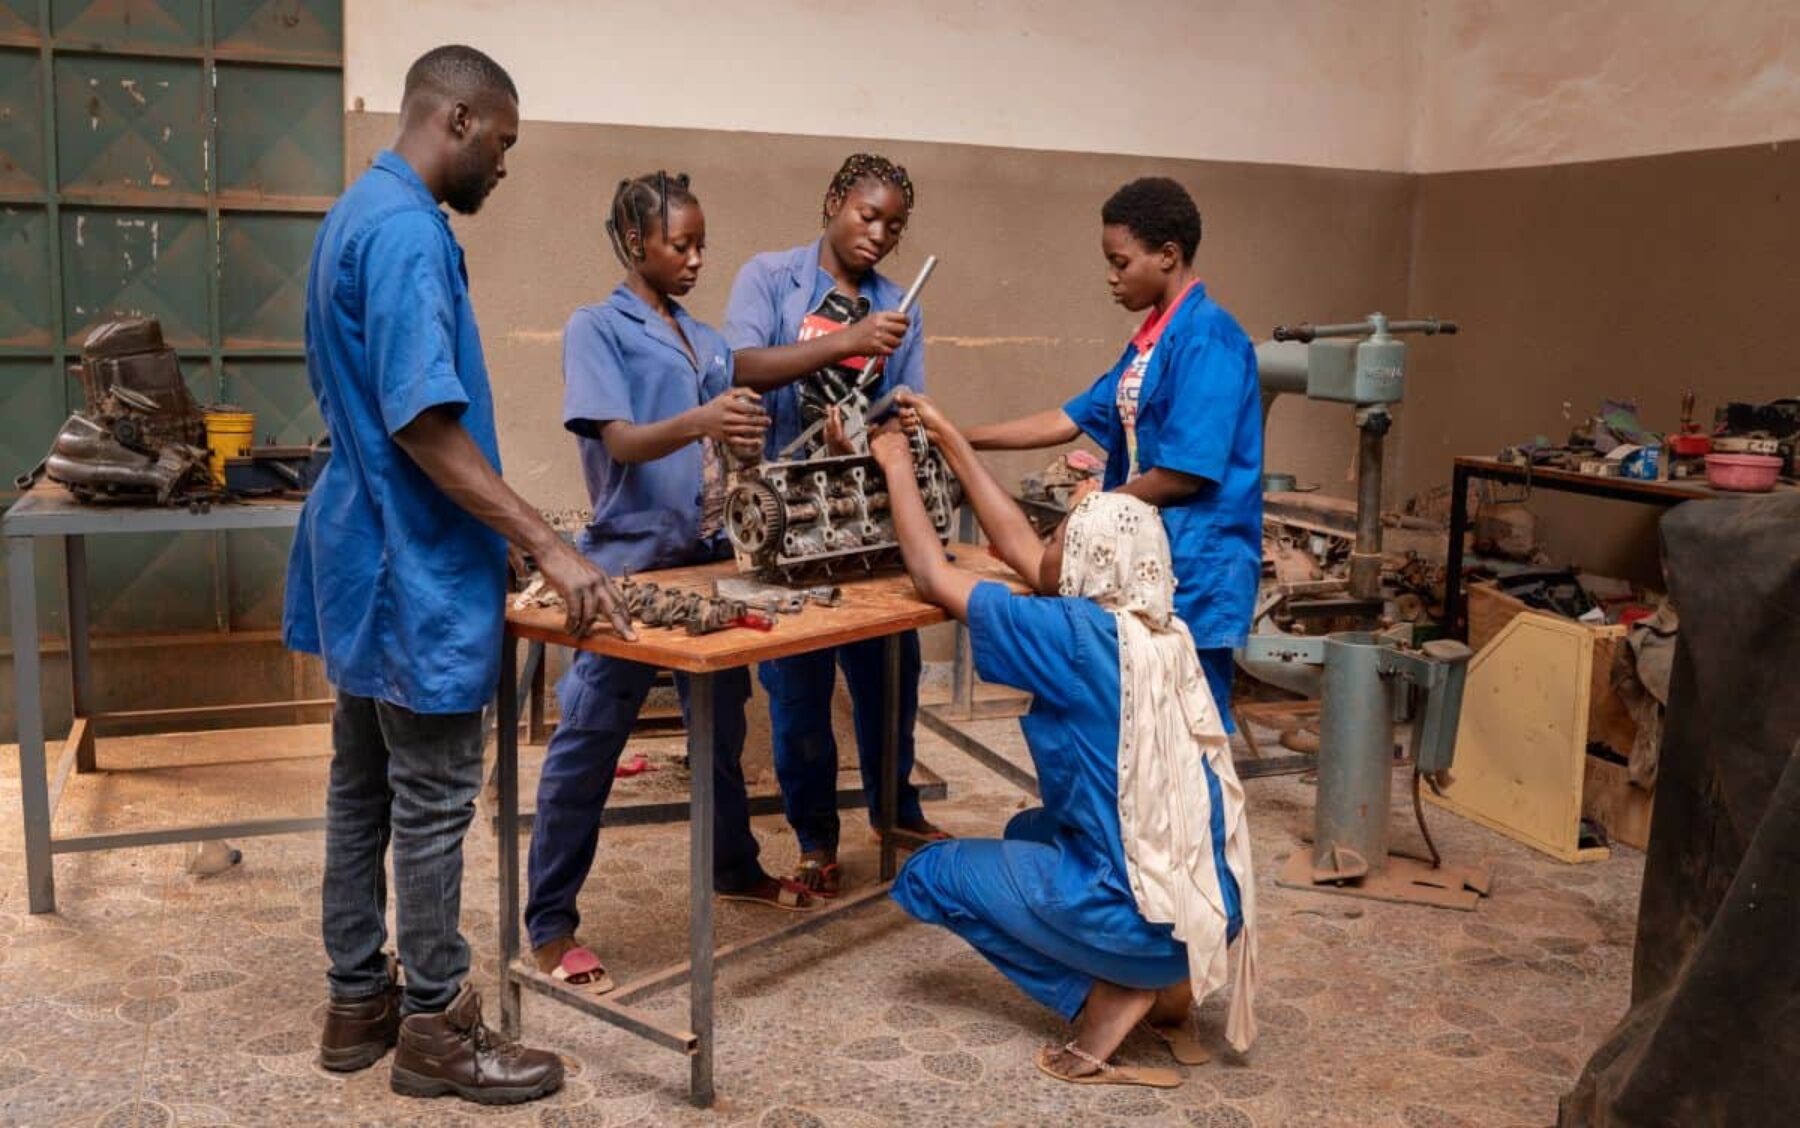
{"points": [[735, 417], [918, 410], [878, 334], [892, 452]]}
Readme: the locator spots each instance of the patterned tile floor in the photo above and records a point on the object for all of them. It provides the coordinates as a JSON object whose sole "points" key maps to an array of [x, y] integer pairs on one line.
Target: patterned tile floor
{"points": [[155, 998]]}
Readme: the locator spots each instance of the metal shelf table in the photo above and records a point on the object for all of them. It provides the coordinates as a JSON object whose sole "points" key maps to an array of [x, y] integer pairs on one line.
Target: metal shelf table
{"points": [[48, 510]]}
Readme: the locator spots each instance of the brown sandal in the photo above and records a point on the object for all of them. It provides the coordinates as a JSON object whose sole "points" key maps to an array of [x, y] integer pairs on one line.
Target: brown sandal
{"points": [[789, 896], [1105, 1073], [1184, 1045]]}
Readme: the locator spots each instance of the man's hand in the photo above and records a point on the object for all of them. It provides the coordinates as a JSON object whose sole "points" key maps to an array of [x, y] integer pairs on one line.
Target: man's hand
{"points": [[878, 334], [586, 591], [892, 452], [918, 410], [735, 417]]}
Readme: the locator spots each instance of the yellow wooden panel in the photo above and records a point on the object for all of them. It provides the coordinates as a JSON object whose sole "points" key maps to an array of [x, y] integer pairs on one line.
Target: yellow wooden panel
{"points": [[1521, 743]]}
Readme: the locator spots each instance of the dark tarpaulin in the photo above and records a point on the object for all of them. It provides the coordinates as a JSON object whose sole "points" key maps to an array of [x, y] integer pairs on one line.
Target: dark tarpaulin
{"points": [[1713, 1033]]}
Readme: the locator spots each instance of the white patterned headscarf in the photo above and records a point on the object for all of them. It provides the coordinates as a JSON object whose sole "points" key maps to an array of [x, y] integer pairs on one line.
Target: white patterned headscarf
{"points": [[1116, 553]]}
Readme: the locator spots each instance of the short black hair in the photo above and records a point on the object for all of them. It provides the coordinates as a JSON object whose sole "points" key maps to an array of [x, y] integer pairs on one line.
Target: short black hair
{"points": [[1156, 210], [459, 73], [858, 167], [637, 199]]}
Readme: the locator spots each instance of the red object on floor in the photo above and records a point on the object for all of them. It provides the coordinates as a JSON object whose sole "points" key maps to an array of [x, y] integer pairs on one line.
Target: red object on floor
{"points": [[637, 765]]}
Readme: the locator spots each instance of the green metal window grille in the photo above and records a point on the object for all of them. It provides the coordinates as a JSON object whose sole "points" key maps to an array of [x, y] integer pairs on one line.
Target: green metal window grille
{"points": [[165, 157]]}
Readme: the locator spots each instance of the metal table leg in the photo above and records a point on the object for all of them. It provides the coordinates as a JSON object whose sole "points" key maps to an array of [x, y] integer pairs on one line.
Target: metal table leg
{"points": [[890, 754], [506, 771], [1453, 554], [81, 682], [40, 877], [700, 890]]}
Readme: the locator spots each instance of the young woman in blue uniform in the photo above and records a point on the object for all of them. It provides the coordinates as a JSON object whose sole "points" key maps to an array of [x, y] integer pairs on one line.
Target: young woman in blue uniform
{"points": [[1128, 896], [1179, 416], [806, 323], [647, 391]]}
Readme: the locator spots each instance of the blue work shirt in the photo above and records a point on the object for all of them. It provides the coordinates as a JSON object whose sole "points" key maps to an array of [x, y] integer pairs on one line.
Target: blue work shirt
{"points": [[622, 362], [772, 295], [1032, 642], [1200, 413], [396, 586]]}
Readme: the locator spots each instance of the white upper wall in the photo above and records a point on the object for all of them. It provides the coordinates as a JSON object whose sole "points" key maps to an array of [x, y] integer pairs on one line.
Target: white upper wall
{"points": [[1505, 83], [1311, 82], [1419, 85]]}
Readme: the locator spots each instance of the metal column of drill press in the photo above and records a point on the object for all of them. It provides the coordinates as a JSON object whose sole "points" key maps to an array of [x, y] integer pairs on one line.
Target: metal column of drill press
{"points": [[1362, 363], [1367, 682]]}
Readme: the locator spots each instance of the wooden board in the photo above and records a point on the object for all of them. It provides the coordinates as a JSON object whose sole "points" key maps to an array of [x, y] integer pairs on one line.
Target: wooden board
{"points": [[1610, 798], [872, 607], [1521, 744]]}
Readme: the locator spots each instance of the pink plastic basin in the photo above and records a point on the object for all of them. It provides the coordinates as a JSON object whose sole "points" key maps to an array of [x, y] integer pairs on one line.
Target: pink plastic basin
{"points": [[1752, 473]]}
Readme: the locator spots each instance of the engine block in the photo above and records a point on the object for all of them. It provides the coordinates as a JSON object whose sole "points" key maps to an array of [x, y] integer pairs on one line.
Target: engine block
{"points": [[828, 516]]}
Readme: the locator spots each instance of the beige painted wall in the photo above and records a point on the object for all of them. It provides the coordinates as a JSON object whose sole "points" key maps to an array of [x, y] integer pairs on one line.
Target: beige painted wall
{"points": [[1510, 83], [1017, 316], [1312, 82]]}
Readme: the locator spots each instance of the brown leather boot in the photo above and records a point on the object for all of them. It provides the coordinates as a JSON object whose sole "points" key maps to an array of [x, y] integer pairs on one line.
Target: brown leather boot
{"points": [[358, 1032], [454, 1052]]}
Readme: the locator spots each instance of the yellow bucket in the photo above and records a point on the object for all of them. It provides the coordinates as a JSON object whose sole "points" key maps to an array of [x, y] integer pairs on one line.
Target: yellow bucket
{"points": [[230, 433]]}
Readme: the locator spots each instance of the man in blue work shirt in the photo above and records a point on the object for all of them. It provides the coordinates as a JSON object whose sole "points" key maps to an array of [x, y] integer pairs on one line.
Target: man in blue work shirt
{"points": [[1180, 418], [398, 579]]}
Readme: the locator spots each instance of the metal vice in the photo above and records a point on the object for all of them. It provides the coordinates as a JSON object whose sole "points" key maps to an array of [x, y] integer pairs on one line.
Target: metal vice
{"points": [[1368, 683]]}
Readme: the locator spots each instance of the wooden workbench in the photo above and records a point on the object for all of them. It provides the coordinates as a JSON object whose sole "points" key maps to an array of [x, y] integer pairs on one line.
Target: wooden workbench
{"points": [[881, 606]]}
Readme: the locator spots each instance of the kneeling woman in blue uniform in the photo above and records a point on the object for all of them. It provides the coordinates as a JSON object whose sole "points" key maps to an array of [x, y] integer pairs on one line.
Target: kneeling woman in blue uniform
{"points": [[1128, 896], [806, 323], [647, 391], [1179, 416]]}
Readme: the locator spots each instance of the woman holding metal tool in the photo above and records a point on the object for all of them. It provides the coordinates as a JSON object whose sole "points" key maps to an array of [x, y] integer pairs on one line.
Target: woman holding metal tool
{"points": [[1179, 416], [648, 393], [814, 326], [1128, 896]]}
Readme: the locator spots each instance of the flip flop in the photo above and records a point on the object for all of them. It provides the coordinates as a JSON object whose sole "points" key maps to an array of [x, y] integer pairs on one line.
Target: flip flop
{"points": [[820, 879], [1184, 1045], [1106, 1073], [577, 963], [789, 897]]}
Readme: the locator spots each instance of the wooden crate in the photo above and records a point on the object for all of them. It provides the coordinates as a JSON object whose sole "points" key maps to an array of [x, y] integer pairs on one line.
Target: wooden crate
{"points": [[1539, 692]]}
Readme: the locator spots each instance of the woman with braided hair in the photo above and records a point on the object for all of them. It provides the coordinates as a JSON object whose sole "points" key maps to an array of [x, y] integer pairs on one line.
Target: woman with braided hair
{"points": [[806, 323], [647, 392]]}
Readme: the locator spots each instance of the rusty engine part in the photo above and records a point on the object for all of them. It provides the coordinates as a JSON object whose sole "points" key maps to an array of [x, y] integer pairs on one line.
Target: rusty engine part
{"points": [[776, 598], [828, 515], [141, 435], [657, 606]]}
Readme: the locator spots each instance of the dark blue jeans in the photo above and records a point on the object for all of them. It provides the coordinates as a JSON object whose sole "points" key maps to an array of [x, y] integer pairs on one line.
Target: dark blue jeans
{"points": [[410, 778], [600, 699], [806, 753]]}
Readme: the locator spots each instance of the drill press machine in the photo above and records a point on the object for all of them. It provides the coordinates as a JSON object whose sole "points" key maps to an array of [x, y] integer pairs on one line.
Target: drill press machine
{"points": [[1368, 680]]}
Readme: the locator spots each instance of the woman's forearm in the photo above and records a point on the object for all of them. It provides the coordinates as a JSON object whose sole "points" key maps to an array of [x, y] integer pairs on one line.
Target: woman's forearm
{"points": [[647, 442], [1006, 526], [937, 580], [1030, 432], [775, 366]]}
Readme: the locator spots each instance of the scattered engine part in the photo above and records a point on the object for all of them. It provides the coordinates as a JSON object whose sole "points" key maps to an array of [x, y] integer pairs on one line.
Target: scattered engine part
{"points": [[775, 598], [1055, 484], [819, 517], [141, 435], [657, 606]]}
